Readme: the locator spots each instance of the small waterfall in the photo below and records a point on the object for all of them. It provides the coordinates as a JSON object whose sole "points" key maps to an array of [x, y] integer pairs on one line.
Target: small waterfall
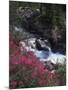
{"points": [[44, 55], [50, 56], [56, 58]]}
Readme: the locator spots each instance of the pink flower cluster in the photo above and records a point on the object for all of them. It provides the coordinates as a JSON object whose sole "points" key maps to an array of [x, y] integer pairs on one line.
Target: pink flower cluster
{"points": [[32, 72]]}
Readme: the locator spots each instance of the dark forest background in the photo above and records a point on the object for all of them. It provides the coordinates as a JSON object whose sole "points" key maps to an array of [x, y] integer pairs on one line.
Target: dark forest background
{"points": [[48, 21]]}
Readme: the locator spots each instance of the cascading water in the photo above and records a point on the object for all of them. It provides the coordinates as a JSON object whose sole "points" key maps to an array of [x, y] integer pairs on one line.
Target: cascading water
{"points": [[43, 54], [55, 58], [50, 56]]}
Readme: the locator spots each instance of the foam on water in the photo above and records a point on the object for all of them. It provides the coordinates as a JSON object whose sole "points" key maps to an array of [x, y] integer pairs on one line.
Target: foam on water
{"points": [[42, 54], [50, 56]]}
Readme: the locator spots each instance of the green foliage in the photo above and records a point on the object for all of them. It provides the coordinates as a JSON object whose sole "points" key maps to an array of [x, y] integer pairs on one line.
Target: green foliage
{"points": [[61, 70]]}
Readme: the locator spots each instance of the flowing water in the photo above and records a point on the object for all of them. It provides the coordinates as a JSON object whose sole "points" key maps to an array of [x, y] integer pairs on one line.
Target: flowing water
{"points": [[43, 54], [49, 55]]}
